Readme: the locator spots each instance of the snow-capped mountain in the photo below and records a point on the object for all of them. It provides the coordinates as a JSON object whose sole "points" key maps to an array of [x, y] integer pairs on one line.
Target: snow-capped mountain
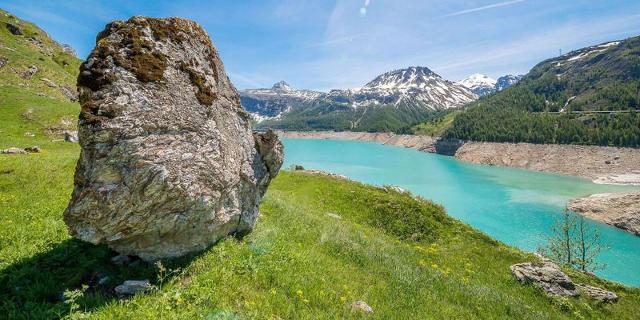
{"points": [[480, 84], [507, 81], [483, 85], [394, 99], [270, 103], [414, 87]]}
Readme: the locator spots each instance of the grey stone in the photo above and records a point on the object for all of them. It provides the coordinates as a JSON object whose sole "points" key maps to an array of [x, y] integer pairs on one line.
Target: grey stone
{"points": [[13, 151], [34, 149], [32, 70], [49, 83], [14, 29], [169, 164], [598, 293], [361, 306], [547, 276], [131, 287], [71, 94], [71, 136], [3, 61], [333, 215]]}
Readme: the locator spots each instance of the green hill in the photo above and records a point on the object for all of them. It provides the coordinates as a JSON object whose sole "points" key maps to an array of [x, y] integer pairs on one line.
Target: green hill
{"points": [[556, 100], [35, 106]]}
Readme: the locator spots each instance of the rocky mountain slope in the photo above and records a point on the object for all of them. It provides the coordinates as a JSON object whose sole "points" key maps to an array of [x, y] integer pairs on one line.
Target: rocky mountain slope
{"points": [[483, 85], [507, 81], [588, 96], [272, 103], [391, 101]]}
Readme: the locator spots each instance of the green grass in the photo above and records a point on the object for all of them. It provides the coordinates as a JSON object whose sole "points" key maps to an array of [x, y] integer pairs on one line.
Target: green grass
{"points": [[32, 113], [404, 257], [436, 127]]}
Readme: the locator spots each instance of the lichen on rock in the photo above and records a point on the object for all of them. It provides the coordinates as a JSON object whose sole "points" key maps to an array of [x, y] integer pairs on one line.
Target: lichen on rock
{"points": [[169, 163]]}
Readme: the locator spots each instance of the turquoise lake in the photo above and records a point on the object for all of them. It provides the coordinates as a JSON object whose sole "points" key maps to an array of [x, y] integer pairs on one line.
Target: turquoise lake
{"points": [[517, 207]]}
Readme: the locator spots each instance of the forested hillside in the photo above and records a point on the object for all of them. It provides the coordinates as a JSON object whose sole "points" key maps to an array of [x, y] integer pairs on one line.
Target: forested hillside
{"points": [[589, 96]]}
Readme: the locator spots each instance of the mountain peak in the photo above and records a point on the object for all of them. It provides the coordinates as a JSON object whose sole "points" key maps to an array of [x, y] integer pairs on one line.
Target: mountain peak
{"points": [[478, 79], [403, 78], [281, 86]]}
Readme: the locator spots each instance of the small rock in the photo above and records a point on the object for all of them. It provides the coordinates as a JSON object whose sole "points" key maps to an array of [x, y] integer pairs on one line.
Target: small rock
{"points": [[69, 49], [131, 287], [121, 259], [333, 215], [3, 61], [49, 83], [14, 29], [13, 151], [71, 94], [607, 162], [27, 74], [361, 306], [103, 280], [71, 136], [598, 293], [34, 149], [546, 275], [397, 189]]}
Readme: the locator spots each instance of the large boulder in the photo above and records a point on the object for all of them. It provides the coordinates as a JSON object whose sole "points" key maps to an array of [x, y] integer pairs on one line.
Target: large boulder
{"points": [[169, 164], [548, 276]]}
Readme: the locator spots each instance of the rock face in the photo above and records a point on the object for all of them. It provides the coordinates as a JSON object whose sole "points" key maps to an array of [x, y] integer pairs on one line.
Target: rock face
{"points": [[598, 293], [169, 164], [14, 29], [601, 164], [620, 210], [546, 275]]}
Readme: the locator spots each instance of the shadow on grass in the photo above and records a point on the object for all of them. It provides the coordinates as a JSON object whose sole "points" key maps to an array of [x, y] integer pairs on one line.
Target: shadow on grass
{"points": [[34, 287]]}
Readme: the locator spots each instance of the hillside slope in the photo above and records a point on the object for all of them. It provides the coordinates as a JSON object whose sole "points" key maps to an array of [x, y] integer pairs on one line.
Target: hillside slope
{"points": [[321, 244], [37, 85], [589, 96]]}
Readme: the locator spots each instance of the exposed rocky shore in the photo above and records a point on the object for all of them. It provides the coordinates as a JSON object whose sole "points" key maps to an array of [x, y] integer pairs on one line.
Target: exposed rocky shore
{"points": [[422, 143], [620, 210], [607, 165]]}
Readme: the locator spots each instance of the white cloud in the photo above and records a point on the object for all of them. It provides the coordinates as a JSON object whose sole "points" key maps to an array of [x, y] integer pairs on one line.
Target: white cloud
{"points": [[487, 7]]}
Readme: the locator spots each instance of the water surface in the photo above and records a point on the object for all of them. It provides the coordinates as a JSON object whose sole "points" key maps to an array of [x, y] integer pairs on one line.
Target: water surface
{"points": [[515, 206]]}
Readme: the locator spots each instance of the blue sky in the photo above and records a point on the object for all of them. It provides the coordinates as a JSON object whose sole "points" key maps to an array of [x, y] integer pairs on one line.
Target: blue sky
{"points": [[345, 43]]}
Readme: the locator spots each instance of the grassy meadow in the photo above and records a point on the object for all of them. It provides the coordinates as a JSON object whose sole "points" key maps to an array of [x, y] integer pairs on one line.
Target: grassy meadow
{"points": [[321, 244]]}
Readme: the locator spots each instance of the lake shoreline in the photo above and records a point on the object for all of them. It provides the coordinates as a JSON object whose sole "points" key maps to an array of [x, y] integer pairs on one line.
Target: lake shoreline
{"points": [[602, 165]]}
